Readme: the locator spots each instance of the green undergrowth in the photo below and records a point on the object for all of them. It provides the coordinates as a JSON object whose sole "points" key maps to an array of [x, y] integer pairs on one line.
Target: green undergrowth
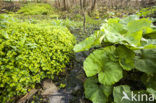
{"points": [[75, 26], [147, 12], [122, 61], [30, 52], [38, 9]]}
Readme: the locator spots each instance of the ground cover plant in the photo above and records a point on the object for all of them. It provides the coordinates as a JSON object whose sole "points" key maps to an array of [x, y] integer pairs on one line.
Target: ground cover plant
{"points": [[123, 59], [29, 53], [148, 11], [36, 9]]}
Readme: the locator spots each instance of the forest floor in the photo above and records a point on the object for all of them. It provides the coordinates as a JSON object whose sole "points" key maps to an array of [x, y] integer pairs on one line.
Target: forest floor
{"points": [[73, 91]]}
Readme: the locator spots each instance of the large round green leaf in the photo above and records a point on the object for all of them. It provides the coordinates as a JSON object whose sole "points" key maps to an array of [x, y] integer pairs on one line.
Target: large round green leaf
{"points": [[149, 81], [126, 57], [119, 92], [112, 32], [123, 94], [104, 62], [128, 19], [96, 92], [137, 25], [152, 91], [110, 74], [88, 43], [145, 62], [151, 35], [148, 44]]}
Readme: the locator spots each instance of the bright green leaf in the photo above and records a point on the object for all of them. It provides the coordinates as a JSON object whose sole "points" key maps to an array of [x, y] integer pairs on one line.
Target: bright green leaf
{"points": [[152, 91], [89, 42], [110, 74], [119, 92], [105, 62], [146, 61], [96, 92], [149, 81], [126, 57]]}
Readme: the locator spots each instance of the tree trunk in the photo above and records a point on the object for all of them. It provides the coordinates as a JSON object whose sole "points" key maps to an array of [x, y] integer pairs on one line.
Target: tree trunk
{"points": [[84, 21], [143, 2], [58, 2], [67, 4], [84, 4], [64, 4], [93, 5], [81, 4], [25, 1]]}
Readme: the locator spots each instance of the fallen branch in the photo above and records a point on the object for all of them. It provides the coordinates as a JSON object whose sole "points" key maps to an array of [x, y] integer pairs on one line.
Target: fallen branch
{"points": [[27, 96]]}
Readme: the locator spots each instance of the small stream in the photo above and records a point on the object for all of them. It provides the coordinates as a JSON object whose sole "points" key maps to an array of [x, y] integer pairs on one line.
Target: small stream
{"points": [[74, 91], [74, 79]]}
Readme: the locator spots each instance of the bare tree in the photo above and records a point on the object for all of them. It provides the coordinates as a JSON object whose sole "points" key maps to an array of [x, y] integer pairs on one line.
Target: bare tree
{"points": [[68, 4], [64, 4], [93, 5], [84, 4], [81, 6]]}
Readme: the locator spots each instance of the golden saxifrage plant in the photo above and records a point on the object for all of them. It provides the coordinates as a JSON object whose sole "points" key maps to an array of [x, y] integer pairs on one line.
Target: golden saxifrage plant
{"points": [[29, 53]]}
